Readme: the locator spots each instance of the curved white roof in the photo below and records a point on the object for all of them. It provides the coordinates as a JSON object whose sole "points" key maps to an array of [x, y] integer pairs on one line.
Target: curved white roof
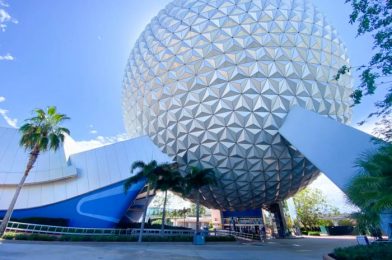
{"points": [[61, 175]]}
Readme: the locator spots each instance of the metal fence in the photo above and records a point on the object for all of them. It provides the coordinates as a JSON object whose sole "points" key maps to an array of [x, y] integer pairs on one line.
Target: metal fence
{"points": [[18, 227], [248, 236]]}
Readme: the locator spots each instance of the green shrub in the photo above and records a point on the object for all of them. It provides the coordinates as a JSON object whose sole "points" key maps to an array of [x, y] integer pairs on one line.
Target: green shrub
{"points": [[345, 222], [375, 251], [110, 238], [313, 233], [304, 232], [9, 236], [325, 222], [39, 237]]}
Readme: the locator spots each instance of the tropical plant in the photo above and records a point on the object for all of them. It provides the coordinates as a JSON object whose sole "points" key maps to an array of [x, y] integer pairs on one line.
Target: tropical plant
{"points": [[169, 179], [194, 181], [371, 189], [150, 173], [40, 133]]}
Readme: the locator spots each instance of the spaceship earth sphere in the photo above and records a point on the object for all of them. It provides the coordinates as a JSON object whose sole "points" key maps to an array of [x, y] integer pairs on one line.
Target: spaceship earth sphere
{"points": [[212, 81]]}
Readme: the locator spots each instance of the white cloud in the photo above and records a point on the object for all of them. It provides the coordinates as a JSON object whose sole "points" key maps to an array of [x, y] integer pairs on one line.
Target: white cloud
{"points": [[4, 113], [8, 57], [10, 121], [5, 17], [99, 141], [3, 3], [93, 130]]}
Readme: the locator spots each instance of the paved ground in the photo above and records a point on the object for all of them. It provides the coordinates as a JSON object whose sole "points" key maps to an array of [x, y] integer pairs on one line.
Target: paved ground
{"points": [[292, 249]]}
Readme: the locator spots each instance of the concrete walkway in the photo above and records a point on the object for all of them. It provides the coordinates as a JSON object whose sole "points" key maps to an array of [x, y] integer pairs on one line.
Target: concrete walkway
{"points": [[291, 249]]}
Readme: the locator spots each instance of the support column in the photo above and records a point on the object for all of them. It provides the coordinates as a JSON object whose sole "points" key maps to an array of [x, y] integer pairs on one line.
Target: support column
{"points": [[277, 210], [262, 227]]}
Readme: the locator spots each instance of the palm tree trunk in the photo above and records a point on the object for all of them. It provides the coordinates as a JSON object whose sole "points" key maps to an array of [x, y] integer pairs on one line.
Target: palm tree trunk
{"points": [[197, 212], [164, 214], [33, 157], [144, 214]]}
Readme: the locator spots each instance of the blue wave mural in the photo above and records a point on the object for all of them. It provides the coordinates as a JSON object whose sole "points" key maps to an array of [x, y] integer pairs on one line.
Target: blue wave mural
{"points": [[101, 208]]}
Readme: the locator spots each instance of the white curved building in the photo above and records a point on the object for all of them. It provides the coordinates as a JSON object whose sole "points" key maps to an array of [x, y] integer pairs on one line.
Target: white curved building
{"points": [[86, 187], [211, 82]]}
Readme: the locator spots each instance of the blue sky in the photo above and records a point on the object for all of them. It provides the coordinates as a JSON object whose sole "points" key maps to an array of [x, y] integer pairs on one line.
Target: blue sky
{"points": [[72, 54]]}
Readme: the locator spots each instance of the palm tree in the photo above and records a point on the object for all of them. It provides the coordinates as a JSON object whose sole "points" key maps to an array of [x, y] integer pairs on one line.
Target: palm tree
{"points": [[371, 189], [40, 133], [150, 172], [183, 212], [170, 179], [194, 181]]}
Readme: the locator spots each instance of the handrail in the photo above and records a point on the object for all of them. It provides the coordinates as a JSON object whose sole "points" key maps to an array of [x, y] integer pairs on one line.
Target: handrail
{"points": [[239, 234], [58, 230], [19, 227]]}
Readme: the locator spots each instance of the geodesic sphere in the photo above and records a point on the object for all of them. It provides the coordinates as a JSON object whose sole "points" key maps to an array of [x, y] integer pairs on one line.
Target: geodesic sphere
{"points": [[212, 81]]}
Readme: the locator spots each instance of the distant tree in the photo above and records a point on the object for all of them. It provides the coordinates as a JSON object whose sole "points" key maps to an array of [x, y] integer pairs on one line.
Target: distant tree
{"points": [[40, 133], [325, 222], [375, 17], [311, 206], [346, 222], [183, 212], [193, 210], [150, 172], [194, 181]]}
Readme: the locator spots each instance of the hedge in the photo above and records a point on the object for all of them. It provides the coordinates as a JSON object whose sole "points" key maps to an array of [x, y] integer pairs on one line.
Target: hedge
{"points": [[374, 251], [310, 233], [111, 238]]}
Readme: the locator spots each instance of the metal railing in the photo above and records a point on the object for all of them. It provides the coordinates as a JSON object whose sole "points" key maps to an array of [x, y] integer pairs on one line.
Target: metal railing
{"points": [[249, 236], [18, 227]]}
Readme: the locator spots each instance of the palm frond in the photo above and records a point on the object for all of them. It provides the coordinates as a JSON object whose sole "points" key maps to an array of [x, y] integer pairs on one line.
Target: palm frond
{"points": [[43, 130], [43, 143], [132, 180], [55, 140], [137, 164], [198, 178], [371, 189], [63, 130], [51, 110]]}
